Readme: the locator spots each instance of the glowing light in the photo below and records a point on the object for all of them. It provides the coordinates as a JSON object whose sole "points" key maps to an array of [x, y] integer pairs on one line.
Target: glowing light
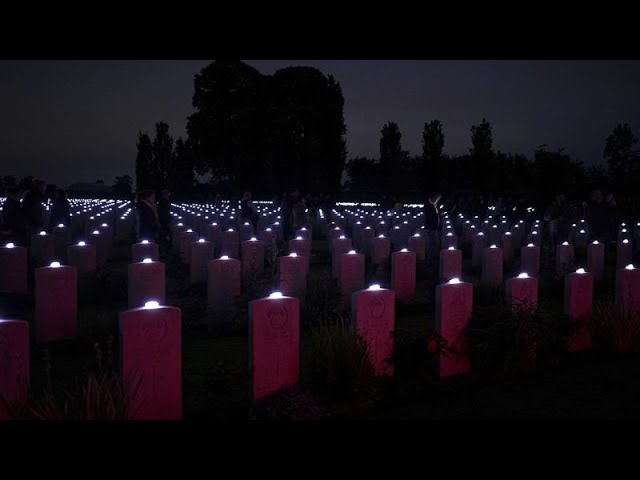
{"points": [[381, 236], [507, 233], [565, 243], [81, 243], [10, 245], [630, 266], [253, 239], [493, 246], [375, 286], [61, 225], [276, 295], [145, 242], [95, 232], [299, 238], [54, 264], [224, 257], [293, 254], [454, 280], [531, 245], [147, 260], [152, 304], [523, 275], [581, 231], [189, 230], [201, 240], [352, 252], [449, 234], [625, 241], [342, 237], [43, 233], [230, 230], [580, 270], [451, 248], [103, 225], [417, 235]]}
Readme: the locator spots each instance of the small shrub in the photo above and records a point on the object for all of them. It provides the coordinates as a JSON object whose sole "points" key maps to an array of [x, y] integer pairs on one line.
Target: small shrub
{"points": [[616, 329]]}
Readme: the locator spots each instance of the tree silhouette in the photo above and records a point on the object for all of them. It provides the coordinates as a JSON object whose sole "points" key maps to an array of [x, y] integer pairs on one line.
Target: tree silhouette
{"points": [[162, 154], [432, 146], [145, 170], [122, 186], [623, 161], [181, 171]]}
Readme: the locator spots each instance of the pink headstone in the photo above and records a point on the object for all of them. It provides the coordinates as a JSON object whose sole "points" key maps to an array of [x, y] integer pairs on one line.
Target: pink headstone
{"points": [[373, 312], [293, 278], [214, 234], [146, 282], [41, 250], [61, 239], [478, 243], [230, 244], [151, 353], [530, 259], [56, 297], [522, 292], [403, 275], [303, 248], [186, 241], [268, 238], [578, 304], [450, 264], [454, 305], [418, 244], [102, 244], [564, 258], [628, 288], [201, 253], [13, 269], [351, 278], [140, 251], [507, 246], [274, 344], [176, 230], [366, 240], [340, 247], [252, 260], [624, 254], [83, 257], [595, 260], [492, 263], [223, 285], [381, 253], [14, 363]]}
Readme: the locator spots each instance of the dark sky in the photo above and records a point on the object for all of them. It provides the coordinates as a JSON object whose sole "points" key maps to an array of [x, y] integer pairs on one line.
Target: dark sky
{"points": [[78, 120]]}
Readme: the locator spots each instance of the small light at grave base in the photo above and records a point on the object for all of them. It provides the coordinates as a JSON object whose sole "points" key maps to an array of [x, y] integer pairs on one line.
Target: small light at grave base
{"points": [[375, 286], [507, 233], [293, 254], [152, 304], [189, 230], [147, 260], [303, 229], [381, 236], [230, 230], [201, 240], [54, 264], [625, 241], [253, 239], [404, 250], [276, 295], [565, 243], [103, 225], [595, 242], [451, 248], [180, 225], [523, 275], [449, 234], [43, 233], [417, 235], [480, 233], [352, 252], [224, 257], [531, 245], [534, 233], [246, 223], [299, 238], [61, 225], [454, 280], [10, 245], [342, 237], [81, 243], [624, 230], [214, 224], [493, 246], [145, 242], [267, 229], [580, 270], [629, 267], [95, 232], [581, 231]]}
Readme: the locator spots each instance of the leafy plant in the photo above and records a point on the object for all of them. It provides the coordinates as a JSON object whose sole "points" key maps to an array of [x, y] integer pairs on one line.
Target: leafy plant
{"points": [[615, 328]]}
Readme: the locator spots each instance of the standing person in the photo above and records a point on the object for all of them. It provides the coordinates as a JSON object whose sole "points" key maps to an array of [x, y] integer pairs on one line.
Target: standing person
{"points": [[164, 221], [32, 207], [432, 223], [298, 211], [248, 211], [12, 224], [147, 216], [61, 210]]}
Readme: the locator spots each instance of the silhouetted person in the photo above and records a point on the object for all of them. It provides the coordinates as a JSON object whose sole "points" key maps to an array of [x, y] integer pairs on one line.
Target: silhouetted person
{"points": [[432, 222], [61, 210], [612, 213], [298, 207], [164, 220], [32, 207], [147, 215], [248, 211], [12, 226]]}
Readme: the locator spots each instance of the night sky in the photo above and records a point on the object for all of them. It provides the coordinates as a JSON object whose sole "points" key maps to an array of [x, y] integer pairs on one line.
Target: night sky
{"points": [[68, 121]]}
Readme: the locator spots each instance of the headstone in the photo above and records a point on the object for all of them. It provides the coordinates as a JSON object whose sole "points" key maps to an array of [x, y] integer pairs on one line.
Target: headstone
{"points": [[252, 260], [61, 240], [293, 278], [186, 240], [274, 344], [373, 312], [223, 287], [214, 234], [418, 244], [142, 250], [268, 238], [624, 253], [56, 298], [522, 292], [564, 258], [454, 306], [628, 288], [581, 238], [449, 240], [201, 253], [146, 283], [351, 278], [366, 238], [530, 259], [507, 247], [595, 260], [578, 305], [478, 243], [450, 264], [381, 254], [14, 364], [341, 245], [41, 249], [101, 242], [492, 264], [13, 269], [403, 275], [82, 256], [151, 355]]}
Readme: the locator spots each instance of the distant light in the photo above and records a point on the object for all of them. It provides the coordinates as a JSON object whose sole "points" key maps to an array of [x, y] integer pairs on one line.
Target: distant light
{"points": [[625, 241], [230, 230], [342, 237], [54, 264], [531, 245], [417, 235], [201, 240], [293, 254], [624, 230], [451, 248], [189, 231], [404, 250], [454, 280], [523, 275], [581, 231], [103, 225], [81, 243], [224, 257], [630, 266], [10, 245], [276, 295], [396, 228], [180, 225], [95, 232], [352, 252], [214, 224], [145, 242], [147, 260], [375, 286], [303, 229], [449, 234], [152, 304], [507, 233], [595, 242], [565, 243], [480, 233], [299, 238], [253, 239], [43, 233], [580, 270], [61, 225], [493, 246], [381, 236]]}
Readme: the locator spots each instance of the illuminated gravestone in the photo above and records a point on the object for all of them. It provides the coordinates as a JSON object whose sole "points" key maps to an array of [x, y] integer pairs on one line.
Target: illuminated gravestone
{"points": [[478, 243], [304, 232], [530, 259], [373, 313], [176, 230], [595, 260], [274, 344], [201, 253], [303, 248], [534, 237], [61, 240], [398, 238], [107, 232], [102, 246], [214, 234], [246, 232], [293, 278], [494, 235], [522, 292], [450, 264], [186, 240], [146, 282], [381, 254], [223, 287], [151, 357], [13, 269], [507, 247], [252, 260], [449, 240], [366, 239], [14, 364], [624, 254], [403, 275], [41, 249], [230, 244], [351, 276], [581, 238], [83, 257], [454, 305], [628, 288], [268, 238], [144, 249], [56, 298], [335, 233], [578, 305], [418, 244], [341, 245], [492, 264], [564, 258]]}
